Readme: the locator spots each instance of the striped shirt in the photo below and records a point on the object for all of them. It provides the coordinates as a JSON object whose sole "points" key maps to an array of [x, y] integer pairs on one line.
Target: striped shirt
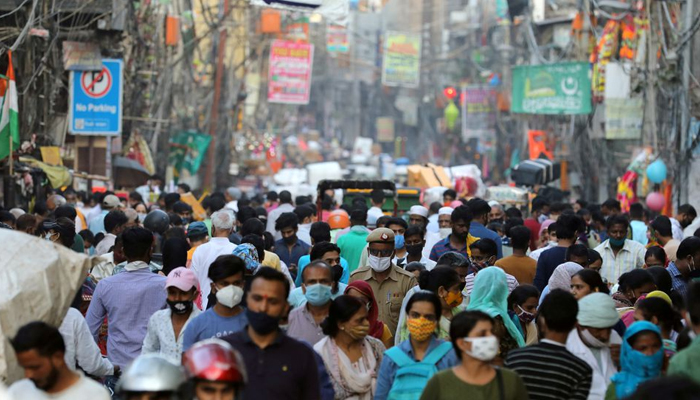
{"points": [[512, 283], [551, 372], [443, 247], [630, 257]]}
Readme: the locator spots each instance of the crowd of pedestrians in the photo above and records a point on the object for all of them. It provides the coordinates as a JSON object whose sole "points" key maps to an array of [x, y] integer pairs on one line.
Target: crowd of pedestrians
{"points": [[274, 299]]}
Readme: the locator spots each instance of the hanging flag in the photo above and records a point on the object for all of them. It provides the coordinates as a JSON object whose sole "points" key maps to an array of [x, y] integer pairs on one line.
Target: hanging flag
{"points": [[9, 121]]}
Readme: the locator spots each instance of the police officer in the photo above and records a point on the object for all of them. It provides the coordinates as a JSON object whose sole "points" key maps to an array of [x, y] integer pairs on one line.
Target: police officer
{"points": [[389, 282]]}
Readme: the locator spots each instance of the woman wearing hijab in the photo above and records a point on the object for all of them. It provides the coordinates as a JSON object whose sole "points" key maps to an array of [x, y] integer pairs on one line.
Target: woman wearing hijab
{"points": [[490, 296], [352, 357], [174, 254], [641, 359], [561, 278], [377, 329]]}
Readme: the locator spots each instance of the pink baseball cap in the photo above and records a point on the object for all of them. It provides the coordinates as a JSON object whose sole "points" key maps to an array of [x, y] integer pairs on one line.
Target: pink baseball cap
{"points": [[181, 278]]}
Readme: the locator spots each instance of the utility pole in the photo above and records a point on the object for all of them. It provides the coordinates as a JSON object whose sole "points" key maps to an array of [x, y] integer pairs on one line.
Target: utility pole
{"points": [[224, 7], [685, 106]]}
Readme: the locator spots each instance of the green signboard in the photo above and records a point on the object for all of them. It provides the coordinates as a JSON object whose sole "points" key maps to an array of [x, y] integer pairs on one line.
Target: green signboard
{"points": [[187, 150], [552, 89]]}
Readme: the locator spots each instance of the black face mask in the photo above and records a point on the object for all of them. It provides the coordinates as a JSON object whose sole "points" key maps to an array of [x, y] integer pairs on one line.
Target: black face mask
{"points": [[414, 249], [262, 323], [290, 239], [181, 307]]}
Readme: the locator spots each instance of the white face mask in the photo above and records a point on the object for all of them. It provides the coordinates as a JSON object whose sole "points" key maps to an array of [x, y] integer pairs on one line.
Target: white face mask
{"points": [[592, 341], [379, 264], [230, 296], [483, 348], [445, 232], [142, 217]]}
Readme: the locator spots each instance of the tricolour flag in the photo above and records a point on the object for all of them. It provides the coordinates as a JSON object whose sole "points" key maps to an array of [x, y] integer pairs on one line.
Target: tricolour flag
{"points": [[9, 118]]}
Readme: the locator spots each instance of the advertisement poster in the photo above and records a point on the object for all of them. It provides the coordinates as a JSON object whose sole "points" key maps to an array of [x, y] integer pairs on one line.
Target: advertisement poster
{"points": [[337, 39], [291, 65], [554, 89], [624, 118], [480, 106], [402, 53]]}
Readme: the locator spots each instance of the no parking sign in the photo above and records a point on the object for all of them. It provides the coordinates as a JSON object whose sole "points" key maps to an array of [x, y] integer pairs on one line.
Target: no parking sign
{"points": [[96, 100]]}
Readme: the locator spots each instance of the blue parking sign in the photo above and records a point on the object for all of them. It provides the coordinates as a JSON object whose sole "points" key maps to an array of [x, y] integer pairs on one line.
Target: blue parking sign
{"points": [[96, 100]]}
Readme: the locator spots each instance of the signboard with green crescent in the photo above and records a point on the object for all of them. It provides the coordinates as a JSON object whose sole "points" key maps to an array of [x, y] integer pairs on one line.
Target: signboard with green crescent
{"points": [[561, 89]]}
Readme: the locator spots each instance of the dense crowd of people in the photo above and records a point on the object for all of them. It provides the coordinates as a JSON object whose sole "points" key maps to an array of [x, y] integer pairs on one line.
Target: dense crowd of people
{"points": [[273, 298]]}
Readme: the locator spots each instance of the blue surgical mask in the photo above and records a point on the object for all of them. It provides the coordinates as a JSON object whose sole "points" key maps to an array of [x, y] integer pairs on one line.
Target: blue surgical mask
{"points": [[617, 242], [318, 294], [399, 242]]}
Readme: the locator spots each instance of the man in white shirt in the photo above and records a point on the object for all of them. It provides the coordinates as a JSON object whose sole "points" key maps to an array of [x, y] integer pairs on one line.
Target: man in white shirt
{"points": [[593, 338], [688, 220], [305, 214], [284, 207], [375, 212], [619, 254], [81, 349], [40, 350], [222, 225]]}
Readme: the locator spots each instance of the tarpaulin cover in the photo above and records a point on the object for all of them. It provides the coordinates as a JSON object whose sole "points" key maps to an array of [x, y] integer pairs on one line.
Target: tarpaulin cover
{"points": [[38, 281], [58, 176]]}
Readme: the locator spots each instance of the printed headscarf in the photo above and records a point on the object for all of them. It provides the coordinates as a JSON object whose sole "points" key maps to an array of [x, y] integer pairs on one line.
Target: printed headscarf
{"points": [[249, 254]]}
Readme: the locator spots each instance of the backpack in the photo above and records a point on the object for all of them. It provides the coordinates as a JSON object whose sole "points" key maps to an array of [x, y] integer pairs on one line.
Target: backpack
{"points": [[412, 376]]}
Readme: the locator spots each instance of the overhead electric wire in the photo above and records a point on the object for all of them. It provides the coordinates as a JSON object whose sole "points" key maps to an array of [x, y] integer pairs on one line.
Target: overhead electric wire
{"points": [[19, 7]]}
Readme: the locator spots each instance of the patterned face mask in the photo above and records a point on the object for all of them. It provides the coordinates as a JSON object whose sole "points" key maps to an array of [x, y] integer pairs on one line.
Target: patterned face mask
{"points": [[420, 328]]}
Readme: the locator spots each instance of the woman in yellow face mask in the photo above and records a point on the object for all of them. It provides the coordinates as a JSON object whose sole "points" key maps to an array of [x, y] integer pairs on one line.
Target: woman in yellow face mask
{"points": [[446, 284], [406, 368]]}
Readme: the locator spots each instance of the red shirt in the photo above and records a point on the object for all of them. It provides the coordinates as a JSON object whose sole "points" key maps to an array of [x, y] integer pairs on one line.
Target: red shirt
{"points": [[534, 228]]}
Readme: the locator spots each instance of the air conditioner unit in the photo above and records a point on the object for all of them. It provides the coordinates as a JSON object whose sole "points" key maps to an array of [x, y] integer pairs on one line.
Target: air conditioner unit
{"points": [[535, 172]]}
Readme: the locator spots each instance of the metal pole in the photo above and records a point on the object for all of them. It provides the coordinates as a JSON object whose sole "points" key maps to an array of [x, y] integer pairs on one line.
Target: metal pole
{"points": [[685, 105], [464, 110], [108, 162], [213, 124]]}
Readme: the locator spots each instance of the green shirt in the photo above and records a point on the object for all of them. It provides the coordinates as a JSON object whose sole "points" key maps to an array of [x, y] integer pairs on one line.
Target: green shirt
{"points": [[687, 362], [352, 244], [445, 385], [78, 244]]}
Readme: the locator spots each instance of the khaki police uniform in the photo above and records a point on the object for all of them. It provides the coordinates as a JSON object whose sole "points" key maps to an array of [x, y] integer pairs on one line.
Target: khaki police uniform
{"points": [[390, 292]]}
